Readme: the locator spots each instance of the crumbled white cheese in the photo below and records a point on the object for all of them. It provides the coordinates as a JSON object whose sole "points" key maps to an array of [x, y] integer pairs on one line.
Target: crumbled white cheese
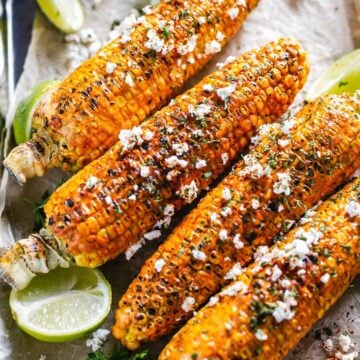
{"points": [[214, 217], [130, 252], [276, 273], [151, 235], [224, 158], [285, 283], [147, 9], [282, 186], [228, 60], [237, 242], [234, 289], [253, 168], [132, 197], [220, 36], [345, 342], [188, 192], [226, 211], [171, 174], [198, 255], [223, 235], [129, 80], [202, 110], [42, 357], [282, 312], [233, 13], [328, 345], [325, 278], [91, 182], [261, 335], [353, 208], [154, 41], [173, 161], [261, 251], [169, 210], [234, 272], [213, 300], [281, 208], [148, 135], [125, 29], [87, 35], [225, 92], [180, 148], [283, 142], [208, 87], [226, 194], [188, 304], [188, 47], [352, 356], [242, 3], [108, 200], [287, 126], [159, 264], [144, 171], [212, 47], [202, 20], [255, 204], [97, 340], [357, 173], [129, 138], [200, 163], [312, 236]]}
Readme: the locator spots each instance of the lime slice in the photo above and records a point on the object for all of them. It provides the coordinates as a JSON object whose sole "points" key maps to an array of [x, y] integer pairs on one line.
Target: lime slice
{"points": [[62, 305], [25, 110], [66, 15], [342, 76]]}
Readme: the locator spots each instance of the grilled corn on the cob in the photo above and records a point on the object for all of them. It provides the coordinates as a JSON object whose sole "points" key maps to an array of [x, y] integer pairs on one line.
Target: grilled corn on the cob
{"points": [[125, 82], [293, 166], [111, 205], [274, 303]]}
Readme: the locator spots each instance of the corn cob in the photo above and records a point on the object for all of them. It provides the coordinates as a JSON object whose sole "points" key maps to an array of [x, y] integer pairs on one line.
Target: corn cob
{"points": [[112, 205], [294, 165], [125, 82], [274, 303]]}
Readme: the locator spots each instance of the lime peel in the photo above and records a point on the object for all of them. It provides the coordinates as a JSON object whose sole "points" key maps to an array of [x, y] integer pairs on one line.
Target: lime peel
{"points": [[67, 16], [25, 110], [63, 305], [342, 76]]}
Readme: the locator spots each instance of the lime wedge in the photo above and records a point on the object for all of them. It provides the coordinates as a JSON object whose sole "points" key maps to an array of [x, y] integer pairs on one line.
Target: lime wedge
{"points": [[66, 15], [25, 110], [342, 76], [62, 305]]}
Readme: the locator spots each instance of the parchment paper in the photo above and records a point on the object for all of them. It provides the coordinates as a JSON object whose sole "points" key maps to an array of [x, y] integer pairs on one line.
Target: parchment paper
{"points": [[327, 29]]}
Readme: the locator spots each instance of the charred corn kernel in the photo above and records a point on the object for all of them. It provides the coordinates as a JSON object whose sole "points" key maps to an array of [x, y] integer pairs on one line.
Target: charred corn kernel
{"points": [[125, 82], [294, 165], [166, 162], [274, 302]]}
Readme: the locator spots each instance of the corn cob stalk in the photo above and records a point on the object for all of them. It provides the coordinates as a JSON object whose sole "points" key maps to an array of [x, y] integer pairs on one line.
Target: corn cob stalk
{"points": [[294, 165], [125, 82], [274, 303], [112, 205]]}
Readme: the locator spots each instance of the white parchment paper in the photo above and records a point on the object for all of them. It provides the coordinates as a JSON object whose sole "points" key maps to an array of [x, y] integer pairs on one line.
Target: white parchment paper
{"points": [[326, 28]]}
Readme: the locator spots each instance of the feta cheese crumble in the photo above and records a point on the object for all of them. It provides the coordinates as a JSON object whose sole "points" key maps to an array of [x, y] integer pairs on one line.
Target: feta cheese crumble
{"points": [[212, 47], [208, 87], [226, 194], [110, 67], [255, 204], [159, 264], [198, 255], [224, 158], [188, 304], [144, 171], [220, 36], [225, 92], [237, 242], [169, 210], [180, 149], [261, 335], [233, 13], [129, 80], [223, 235], [173, 161], [189, 192], [200, 163], [97, 340], [325, 278], [188, 47], [91, 182], [151, 235], [282, 186], [353, 208], [234, 272]]}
